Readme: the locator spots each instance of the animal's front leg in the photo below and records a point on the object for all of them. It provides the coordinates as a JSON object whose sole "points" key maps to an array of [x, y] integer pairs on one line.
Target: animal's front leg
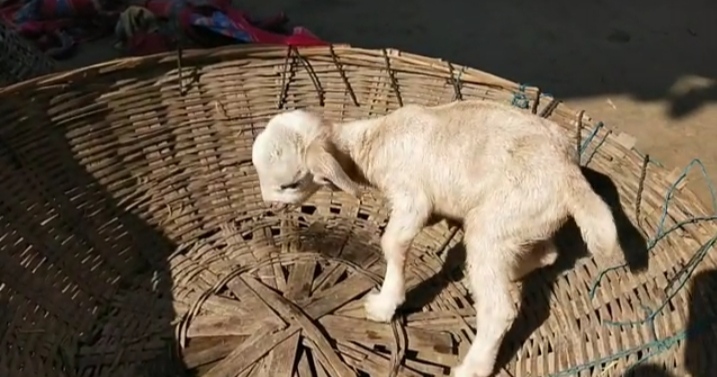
{"points": [[406, 221]]}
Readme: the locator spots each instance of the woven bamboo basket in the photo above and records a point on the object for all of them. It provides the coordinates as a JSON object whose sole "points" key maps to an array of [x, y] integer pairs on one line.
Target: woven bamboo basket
{"points": [[134, 240], [19, 60]]}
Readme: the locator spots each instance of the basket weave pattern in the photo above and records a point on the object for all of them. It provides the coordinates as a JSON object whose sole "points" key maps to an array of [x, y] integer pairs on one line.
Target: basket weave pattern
{"points": [[134, 241], [19, 60]]}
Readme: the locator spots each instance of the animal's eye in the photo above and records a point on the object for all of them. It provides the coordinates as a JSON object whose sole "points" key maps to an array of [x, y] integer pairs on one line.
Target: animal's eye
{"points": [[290, 186]]}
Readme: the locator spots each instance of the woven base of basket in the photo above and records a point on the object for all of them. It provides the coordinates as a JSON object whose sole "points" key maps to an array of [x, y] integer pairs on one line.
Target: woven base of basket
{"points": [[296, 304]]}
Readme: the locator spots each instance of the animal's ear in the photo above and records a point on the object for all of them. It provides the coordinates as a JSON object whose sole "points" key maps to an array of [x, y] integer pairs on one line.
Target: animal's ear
{"points": [[326, 169]]}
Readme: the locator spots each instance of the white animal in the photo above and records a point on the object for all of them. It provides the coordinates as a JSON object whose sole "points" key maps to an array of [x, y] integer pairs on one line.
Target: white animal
{"points": [[512, 179]]}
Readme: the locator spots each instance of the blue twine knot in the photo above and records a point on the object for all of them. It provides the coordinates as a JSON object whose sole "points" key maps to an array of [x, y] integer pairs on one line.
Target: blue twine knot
{"points": [[520, 100], [676, 284]]}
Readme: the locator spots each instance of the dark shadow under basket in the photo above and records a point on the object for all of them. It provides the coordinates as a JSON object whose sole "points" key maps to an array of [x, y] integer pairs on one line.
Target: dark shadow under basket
{"points": [[134, 241]]}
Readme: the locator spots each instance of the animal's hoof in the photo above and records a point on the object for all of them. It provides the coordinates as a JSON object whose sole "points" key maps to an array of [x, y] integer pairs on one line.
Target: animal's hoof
{"points": [[462, 371], [379, 308], [473, 371]]}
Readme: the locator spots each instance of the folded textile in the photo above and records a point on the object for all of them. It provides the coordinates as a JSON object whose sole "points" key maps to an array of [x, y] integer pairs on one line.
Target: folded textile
{"points": [[138, 32], [56, 25], [152, 25], [146, 26]]}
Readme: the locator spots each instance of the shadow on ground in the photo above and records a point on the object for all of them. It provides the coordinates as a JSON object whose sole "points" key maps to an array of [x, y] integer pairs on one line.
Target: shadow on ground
{"points": [[572, 50]]}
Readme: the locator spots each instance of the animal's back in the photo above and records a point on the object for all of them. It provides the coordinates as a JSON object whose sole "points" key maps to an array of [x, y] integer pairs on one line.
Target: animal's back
{"points": [[461, 152]]}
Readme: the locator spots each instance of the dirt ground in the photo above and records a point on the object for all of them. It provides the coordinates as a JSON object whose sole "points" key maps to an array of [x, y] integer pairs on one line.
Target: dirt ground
{"points": [[648, 68]]}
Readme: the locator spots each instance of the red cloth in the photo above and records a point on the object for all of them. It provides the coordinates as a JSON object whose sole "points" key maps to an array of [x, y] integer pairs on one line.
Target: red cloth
{"points": [[300, 36], [148, 44]]}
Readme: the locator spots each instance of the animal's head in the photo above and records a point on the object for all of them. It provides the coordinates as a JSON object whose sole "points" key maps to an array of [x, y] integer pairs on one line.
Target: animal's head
{"points": [[294, 158]]}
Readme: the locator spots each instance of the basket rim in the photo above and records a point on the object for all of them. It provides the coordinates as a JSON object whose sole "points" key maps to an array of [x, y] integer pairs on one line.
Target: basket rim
{"points": [[468, 74], [412, 63]]}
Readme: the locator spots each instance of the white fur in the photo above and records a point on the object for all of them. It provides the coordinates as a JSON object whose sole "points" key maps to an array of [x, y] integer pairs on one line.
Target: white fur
{"points": [[511, 177]]}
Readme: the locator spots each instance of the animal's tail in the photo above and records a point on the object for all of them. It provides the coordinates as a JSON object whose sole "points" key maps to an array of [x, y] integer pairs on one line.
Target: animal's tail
{"points": [[594, 218]]}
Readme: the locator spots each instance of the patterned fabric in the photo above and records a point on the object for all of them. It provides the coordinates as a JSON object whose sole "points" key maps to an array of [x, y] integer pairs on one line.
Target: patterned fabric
{"points": [[147, 27], [219, 17], [233, 25], [55, 25]]}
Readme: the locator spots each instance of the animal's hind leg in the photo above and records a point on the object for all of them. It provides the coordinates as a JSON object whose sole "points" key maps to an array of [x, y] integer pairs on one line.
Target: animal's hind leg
{"points": [[539, 255], [490, 258]]}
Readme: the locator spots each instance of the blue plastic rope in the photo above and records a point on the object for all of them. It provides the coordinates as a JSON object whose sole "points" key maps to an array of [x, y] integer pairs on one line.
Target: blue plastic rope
{"points": [[589, 139], [520, 100], [659, 345], [590, 157], [677, 283]]}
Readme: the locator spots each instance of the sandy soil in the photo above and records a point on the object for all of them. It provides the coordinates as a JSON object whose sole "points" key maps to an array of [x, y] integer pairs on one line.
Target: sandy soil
{"points": [[648, 68]]}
